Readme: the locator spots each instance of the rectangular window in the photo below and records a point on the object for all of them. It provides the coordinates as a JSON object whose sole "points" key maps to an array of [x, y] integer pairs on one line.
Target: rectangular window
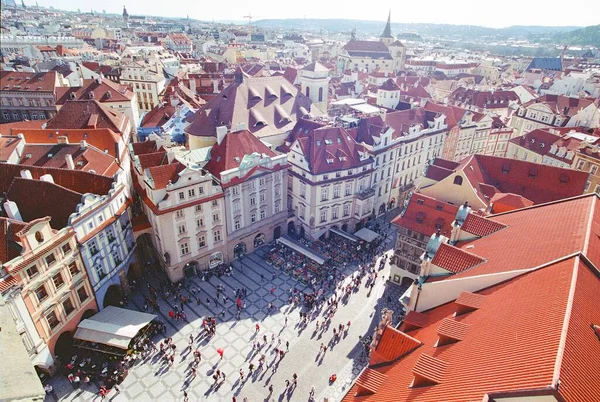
{"points": [[348, 189], [52, 319], [82, 293], [66, 248], [215, 203], [116, 257], [200, 190], [252, 200], [346, 209], [201, 241], [263, 214], [336, 191], [594, 170], [236, 224], [68, 306], [215, 218], [73, 269], [58, 280], [303, 190], [199, 208], [217, 235], [185, 249], [324, 194], [50, 259], [262, 196], [302, 211], [191, 192], [41, 293], [199, 223], [277, 207], [235, 191], [100, 270], [181, 229], [32, 271], [323, 215], [179, 214], [252, 185], [334, 213], [181, 196], [261, 181], [253, 218]]}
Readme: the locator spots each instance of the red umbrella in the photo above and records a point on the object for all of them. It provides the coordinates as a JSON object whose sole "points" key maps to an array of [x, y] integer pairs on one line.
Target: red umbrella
{"points": [[220, 352]]}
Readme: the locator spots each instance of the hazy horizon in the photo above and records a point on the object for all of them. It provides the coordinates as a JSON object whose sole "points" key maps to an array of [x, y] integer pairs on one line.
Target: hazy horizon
{"points": [[460, 12]]}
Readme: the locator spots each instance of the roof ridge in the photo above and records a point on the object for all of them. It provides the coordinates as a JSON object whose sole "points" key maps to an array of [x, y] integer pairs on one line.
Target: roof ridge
{"points": [[546, 203]]}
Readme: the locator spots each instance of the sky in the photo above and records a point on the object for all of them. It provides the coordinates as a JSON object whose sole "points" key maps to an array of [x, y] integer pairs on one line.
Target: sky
{"points": [[495, 14]]}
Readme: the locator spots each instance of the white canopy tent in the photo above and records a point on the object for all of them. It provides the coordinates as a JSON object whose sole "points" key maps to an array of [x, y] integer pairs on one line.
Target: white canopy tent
{"points": [[345, 235], [291, 243], [113, 326], [366, 234]]}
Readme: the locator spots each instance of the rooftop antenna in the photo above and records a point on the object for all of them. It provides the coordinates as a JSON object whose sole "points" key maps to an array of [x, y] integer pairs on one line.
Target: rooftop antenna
{"points": [[249, 17]]}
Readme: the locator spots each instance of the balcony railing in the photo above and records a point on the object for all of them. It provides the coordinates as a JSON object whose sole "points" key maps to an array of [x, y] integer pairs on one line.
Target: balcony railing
{"points": [[366, 193]]}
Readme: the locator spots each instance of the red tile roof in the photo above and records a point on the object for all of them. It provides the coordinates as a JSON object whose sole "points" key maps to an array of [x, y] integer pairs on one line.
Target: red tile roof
{"points": [[470, 300], [480, 226], [38, 206], [28, 82], [506, 202], [8, 145], [75, 180], [88, 114], [163, 174], [103, 138], [145, 147], [425, 215], [230, 152], [392, 345], [153, 159], [538, 141], [562, 105], [9, 242], [389, 85], [527, 333], [369, 381], [18, 126], [483, 99], [454, 259], [104, 91], [402, 120], [7, 281]]}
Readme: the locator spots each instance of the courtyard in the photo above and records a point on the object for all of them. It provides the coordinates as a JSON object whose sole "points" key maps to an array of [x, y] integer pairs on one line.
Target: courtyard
{"points": [[151, 379]]}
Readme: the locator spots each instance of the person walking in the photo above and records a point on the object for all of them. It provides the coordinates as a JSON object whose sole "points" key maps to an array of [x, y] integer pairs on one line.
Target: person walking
{"points": [[257, 328], [117, 389], [242, 374]]}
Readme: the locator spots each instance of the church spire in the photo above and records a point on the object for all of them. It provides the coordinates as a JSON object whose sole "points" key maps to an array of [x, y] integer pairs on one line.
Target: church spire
{"points": [[387, 31]]}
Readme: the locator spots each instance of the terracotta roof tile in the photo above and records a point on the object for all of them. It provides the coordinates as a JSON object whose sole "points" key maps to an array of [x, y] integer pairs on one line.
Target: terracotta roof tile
{"points": [[163, 174], [153, 159], [470, 300], [393, 345], [560, 104], [414, 319], [452, 329], [454, 259], [480, 226], [8, 282], [369, 381], [28, 82], [145, 147], [425, 215], [513, 344], [507, 201], [88, 114], [230, 152], [104, 91]]}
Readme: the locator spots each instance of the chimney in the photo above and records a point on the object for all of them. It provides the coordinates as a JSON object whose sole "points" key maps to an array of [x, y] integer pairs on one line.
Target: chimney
{"points": [[193, 86], [221, 132], [70, 163], [47, 178], [63, 139], [215, 86], [240, 127], [12, 211], [26, 174], [83, 145]]}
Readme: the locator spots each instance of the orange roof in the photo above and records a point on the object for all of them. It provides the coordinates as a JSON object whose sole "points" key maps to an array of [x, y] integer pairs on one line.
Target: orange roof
{"points": [[527, 333], [18, 126], [480, 226], [426, 215], [101, 138], [537, 235], [163, 174], [392, 345], [454, 259]]}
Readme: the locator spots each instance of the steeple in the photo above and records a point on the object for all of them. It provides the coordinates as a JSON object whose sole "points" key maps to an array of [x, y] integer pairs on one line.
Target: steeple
{"points": [[387, 31]]}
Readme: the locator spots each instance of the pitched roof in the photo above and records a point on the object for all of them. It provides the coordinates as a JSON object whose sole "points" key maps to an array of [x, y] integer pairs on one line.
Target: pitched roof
{"points": [[102, 138], [546, 63], [153, 159], [536, 182], [75, 180], [392, 345], [328, 149], [38, 206], [547, 308], [88, 159], [506, 201], [562, 105], [9, 242], [101, 90], [17, 126], [366, 46], [315, 66], [163, 174], [484, 99], [389, 85], [145, 147], [88, 114], [480, 226], [402, 120], [247, 101], [232, 149], [28, 82], [454, 259], [538, 141], [425, 215]]}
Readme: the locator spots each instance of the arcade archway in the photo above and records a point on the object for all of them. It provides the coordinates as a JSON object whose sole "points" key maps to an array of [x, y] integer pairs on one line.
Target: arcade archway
{"points": [[259, 240], [277, 232], [113, 296], [291, 229], [190, 269], [239, 250], [64, 346]]}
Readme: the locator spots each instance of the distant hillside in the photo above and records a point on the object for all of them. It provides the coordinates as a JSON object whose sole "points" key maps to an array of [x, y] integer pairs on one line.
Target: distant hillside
{"points": [[374, 28], [589, 36]]}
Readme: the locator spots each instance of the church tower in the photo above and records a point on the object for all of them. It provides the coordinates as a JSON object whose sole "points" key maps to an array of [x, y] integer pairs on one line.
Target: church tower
{"points": [[125, 17], [314, 83], [386, 37]]}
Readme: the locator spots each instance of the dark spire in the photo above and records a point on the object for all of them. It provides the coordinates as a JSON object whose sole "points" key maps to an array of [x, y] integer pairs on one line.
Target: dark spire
{"points": [[125, 13], [387, 31]]}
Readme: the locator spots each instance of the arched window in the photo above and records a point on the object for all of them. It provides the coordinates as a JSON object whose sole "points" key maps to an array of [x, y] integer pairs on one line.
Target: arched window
{"points": [[308, 92], [458, 180], [321, 94]]}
